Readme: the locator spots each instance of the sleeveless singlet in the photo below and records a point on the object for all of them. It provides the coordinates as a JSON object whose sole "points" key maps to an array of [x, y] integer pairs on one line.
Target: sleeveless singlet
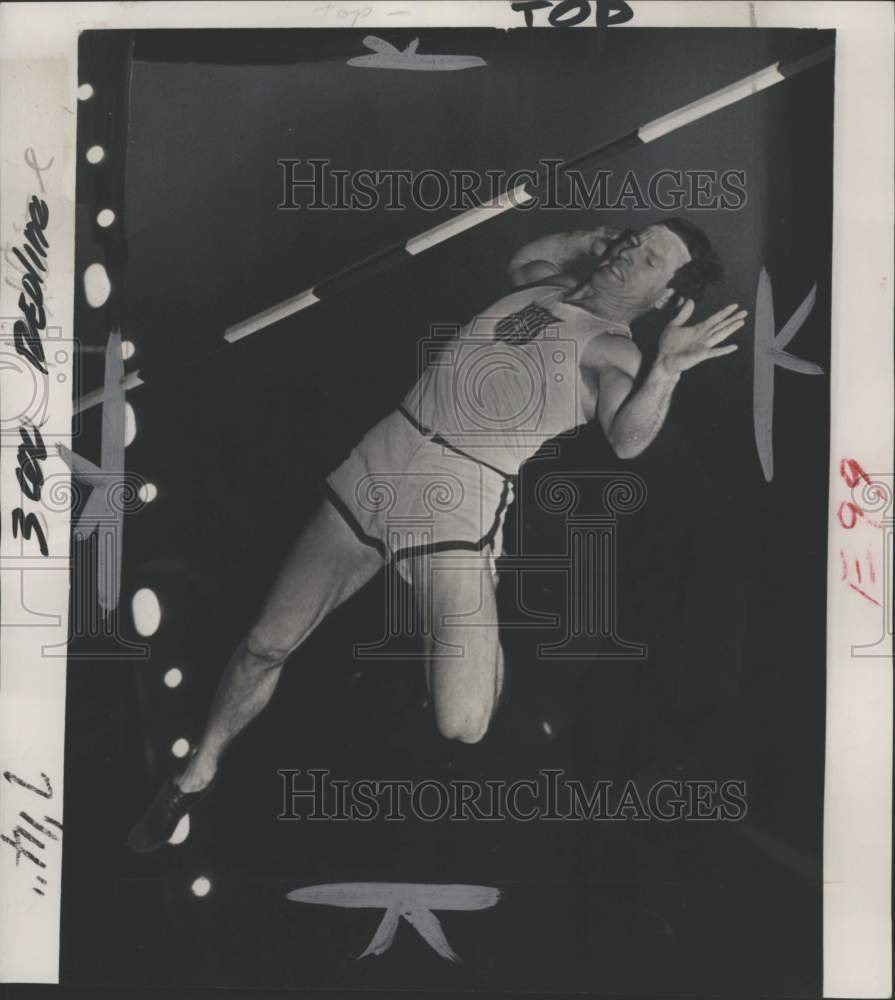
{"points": [[510, 379]]}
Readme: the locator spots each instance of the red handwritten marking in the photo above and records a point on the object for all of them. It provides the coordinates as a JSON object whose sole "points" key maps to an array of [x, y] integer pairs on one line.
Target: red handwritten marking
{"points": [[863, 594], [852, 473], [848, 514], [856, 512]]}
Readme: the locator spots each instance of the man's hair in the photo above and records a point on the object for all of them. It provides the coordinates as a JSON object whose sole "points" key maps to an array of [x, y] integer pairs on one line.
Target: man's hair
{"points": [[704, 267]]}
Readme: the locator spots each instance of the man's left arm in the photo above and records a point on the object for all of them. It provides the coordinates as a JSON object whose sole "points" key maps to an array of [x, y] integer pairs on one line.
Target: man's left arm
{"points": [[631, 421]]}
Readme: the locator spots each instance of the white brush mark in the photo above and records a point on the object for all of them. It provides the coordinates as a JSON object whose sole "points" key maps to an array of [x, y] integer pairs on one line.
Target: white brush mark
{"points": [[385, 932], [147, 614], [769, 355], [97, 286], [181, 831], [428, 927], [412, 901], [104, 511], [388, 57], [130, 424]]}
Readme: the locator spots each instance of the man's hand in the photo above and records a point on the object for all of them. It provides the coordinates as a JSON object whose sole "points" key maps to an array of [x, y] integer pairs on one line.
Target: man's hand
{"points": [[552, 259], [682, 347], [602, 237]]}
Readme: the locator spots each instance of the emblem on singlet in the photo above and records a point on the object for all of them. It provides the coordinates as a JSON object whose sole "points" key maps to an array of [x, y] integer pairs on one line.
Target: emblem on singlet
{"points": [[522, 326]]}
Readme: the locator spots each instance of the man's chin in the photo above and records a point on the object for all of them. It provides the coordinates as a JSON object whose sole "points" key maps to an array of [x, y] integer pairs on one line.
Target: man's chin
{"points": [[602, 279]]}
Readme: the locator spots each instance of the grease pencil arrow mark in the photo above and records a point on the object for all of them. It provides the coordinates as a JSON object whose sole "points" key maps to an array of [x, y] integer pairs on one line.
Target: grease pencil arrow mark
{"points": [[770, 354], [412, 901], [386, 56]]}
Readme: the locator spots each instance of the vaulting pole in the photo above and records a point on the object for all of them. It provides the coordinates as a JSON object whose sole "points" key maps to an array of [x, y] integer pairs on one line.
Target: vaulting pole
{"points": [[395, 253]]}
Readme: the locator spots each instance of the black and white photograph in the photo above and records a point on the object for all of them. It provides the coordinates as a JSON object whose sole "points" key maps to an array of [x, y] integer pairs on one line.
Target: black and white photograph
{"points": [[447, 499]]}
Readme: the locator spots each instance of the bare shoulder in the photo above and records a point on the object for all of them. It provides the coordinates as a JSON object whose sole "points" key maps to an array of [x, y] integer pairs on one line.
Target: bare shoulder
{"points": [[608, 349]]}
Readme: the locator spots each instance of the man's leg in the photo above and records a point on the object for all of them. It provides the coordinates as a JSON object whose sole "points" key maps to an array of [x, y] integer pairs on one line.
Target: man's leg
{"points": [[327, 564], [454, 593]]}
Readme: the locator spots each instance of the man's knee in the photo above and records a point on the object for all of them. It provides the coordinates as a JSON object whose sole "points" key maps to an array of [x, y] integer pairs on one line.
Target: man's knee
{"points": [[466, 724]]}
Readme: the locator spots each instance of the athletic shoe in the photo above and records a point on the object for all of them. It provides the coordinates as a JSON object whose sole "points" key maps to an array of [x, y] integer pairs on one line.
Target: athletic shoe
{"points": [[158, 823]]}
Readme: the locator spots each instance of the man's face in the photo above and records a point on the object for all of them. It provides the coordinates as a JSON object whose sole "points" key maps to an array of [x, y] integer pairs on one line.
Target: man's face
{"points": [[637, 268]]}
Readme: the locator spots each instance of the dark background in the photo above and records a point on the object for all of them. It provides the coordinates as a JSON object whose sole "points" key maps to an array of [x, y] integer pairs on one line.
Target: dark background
{"points": [[721, 574]]}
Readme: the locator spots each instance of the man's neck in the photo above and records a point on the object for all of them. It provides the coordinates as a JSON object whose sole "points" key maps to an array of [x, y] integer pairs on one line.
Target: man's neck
{"points": [[603, 307]]}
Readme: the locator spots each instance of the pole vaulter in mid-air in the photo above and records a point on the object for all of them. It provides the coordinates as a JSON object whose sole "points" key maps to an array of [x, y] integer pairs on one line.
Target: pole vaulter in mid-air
{"points": [[462, 426]]}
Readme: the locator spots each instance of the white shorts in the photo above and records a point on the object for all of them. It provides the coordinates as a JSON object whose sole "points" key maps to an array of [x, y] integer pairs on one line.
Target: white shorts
{"points": [[405, 493]]}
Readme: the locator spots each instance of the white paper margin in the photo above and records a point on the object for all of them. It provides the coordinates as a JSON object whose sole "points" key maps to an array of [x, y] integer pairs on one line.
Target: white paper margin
{"points": [[37, 112], [857, 813]]}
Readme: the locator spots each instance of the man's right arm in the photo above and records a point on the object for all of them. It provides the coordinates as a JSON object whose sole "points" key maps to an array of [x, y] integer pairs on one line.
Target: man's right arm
{"points": [[631, 420], [550, 257]]}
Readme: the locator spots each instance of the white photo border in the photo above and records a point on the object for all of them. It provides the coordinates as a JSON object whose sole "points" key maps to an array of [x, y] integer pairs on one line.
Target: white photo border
{"points": [[38, 84]]}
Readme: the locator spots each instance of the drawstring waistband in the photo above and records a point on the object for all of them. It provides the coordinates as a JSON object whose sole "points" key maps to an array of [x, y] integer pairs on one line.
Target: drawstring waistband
{"points": [[438, 439]]}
